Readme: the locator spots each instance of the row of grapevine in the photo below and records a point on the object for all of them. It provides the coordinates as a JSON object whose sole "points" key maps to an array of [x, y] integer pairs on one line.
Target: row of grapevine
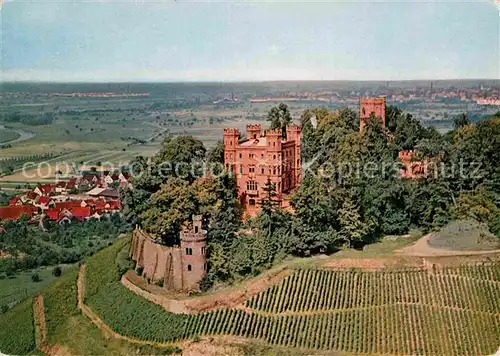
{"points": [[446, 312], [399, 329], [17, 330], [322, 290]]}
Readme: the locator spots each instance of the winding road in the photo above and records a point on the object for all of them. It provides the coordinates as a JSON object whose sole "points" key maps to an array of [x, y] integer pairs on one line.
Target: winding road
{"points": [[23, 135]]}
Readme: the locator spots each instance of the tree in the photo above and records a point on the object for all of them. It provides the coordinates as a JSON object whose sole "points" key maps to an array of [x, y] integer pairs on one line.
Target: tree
{"points": [[57, 271], [461, 121], [280, 117], [352, 228]]}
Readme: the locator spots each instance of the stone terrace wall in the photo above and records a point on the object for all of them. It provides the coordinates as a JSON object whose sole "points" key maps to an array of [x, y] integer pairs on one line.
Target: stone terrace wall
{"points": [[158, 262]]}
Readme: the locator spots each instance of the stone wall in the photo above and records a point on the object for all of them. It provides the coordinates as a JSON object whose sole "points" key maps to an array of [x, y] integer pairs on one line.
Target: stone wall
{"points": [[159, 263]]}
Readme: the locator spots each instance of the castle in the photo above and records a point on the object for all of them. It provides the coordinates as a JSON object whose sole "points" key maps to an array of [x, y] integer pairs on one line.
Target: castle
{"points": [[261, 157], [369, 106], [179, 268], [376, 106]]}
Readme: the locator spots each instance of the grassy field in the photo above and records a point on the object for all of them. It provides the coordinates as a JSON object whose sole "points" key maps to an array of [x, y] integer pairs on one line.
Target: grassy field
{"points": [[20, 286], [8, 135]]}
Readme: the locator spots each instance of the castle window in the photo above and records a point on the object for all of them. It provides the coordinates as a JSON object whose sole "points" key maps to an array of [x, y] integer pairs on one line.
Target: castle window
{"points": [[206, 266], [251, 185], [274, 170], [274, 156], [261, 155], [279, 187], [251, 169], [364, 111], [203, 250], [196, 229], [274, 144], [189, 251], [241, 169], [189, 268], [251, 202], [262, 171], [240, 155]]}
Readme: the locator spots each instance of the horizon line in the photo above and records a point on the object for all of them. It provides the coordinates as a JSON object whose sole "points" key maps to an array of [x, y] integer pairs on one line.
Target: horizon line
{"points": [[235, 81]]}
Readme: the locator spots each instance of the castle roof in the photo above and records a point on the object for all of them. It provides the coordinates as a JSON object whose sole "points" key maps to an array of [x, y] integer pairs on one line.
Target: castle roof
{"points": [[254, 142]]}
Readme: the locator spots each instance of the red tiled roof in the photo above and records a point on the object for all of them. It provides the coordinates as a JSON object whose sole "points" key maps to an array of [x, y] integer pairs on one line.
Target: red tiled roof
{"points": [[81, 212], [53, 213], [14, 201], [44, 200], [32, 195], [47, 188], [114, 204], [15, 212], [68, 204]]}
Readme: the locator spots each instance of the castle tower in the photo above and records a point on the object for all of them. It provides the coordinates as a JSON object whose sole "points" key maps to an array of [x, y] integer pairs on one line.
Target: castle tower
{"points": [[369, 106], [231, 139], [253, 131], [293, 133], [193, 250]]}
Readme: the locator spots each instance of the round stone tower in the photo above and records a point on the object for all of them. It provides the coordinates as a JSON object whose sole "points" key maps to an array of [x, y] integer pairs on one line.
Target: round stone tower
{"points": [[194, 254]]}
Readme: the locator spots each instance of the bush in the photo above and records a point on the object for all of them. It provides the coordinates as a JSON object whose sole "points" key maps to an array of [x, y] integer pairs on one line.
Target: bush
{"points": [[57, 271], [35, 277]]}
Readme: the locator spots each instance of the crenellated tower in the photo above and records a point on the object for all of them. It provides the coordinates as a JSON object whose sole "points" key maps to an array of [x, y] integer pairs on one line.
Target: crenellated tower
{"points": [[371, 106], [231, 139]]}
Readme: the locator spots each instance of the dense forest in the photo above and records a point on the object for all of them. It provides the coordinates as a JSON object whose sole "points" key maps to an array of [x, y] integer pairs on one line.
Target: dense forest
{"points": [[26, 246], [351, 192]]}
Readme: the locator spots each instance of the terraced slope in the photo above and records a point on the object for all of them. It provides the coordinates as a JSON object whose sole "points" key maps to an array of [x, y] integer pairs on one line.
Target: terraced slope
{"points": [[453, 311]]}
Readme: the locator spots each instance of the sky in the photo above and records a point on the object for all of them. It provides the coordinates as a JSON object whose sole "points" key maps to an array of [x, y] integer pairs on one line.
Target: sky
{"points": [[142, 40]]}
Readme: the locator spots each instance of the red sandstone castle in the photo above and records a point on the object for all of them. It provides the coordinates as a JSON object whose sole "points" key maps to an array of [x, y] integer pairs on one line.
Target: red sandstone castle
{"points": [[178, 268], [261, 157]]}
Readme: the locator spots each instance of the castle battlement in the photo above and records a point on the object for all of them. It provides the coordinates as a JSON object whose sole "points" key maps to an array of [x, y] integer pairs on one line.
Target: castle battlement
{"points": [[406, 155], [254, 127], [273, 133], [293, 128], [232, 132]]}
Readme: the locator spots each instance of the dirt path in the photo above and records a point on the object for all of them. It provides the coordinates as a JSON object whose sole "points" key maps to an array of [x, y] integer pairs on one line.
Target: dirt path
{"points": [[107, 331], [421, 248], [232, 298], [40, 325]]}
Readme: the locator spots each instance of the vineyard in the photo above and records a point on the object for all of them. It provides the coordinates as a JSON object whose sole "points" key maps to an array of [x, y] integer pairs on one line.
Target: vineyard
{"points": [[446, 311], [17, 331], [405, 311]]}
